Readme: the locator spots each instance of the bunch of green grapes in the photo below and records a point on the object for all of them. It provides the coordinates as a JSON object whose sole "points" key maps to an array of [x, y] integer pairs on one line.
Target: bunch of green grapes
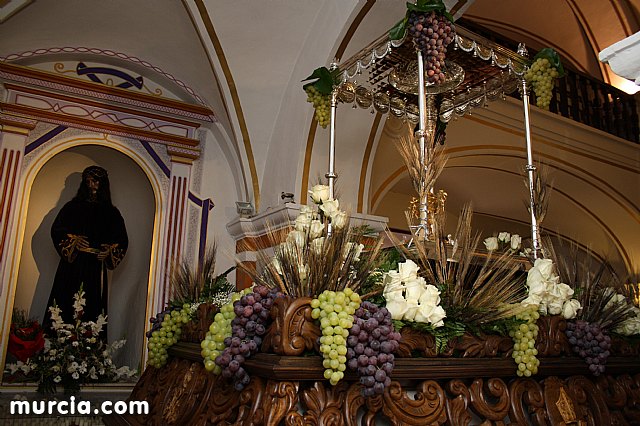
{"points": [[541, 75], [220, 328], [335, 311], [322, 105], [524, 342], [167, 335]]}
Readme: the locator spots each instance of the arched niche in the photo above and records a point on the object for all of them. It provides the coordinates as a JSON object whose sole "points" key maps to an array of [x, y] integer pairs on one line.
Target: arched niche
{"points": [[56, 183]]}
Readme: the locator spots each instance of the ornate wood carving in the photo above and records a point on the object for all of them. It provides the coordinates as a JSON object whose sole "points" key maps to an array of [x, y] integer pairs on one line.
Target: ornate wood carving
{"points": [[415, 343], [458, 403], [293, 330], [478, 386], [551, 339], [527, 402], [491, 399], [427, 407], [322, 405], [195, 330], [622, 347], [470, 346]]}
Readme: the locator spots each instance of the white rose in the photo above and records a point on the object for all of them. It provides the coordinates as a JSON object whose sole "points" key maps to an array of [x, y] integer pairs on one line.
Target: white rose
{"points": [[430, 296], [544, 266], [561, 291], [504, 237], [397, 308], [303, 222], [537, 289], [532, 300], [358, 251], [629, 327], [319, 193], [408, 270], [317, 244], [491, 243], [315, 229], [437, 316], [412, 310], [393, 288], [296, 237], [339, 219], [424, 313], [570, 309], [555, 307], [516, 242], [307, 211], [542, 308], [414, 289], [616, 299], [330, 207]]}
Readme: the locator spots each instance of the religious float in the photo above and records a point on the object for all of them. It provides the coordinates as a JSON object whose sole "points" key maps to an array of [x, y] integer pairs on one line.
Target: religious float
{"points": [[338, 331]]}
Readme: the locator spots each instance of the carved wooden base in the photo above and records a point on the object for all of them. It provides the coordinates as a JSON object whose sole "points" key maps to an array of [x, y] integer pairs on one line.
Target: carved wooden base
{"points": [[288, 390]]}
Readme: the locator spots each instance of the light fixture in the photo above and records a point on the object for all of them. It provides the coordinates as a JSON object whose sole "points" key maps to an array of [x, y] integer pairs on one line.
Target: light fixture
{"points": [[287, 197], [244, 208]]}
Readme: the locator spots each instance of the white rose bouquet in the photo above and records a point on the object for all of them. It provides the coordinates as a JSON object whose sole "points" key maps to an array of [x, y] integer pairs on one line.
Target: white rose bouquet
{"points": [[410, 298], [74, 354], [547, 292]]}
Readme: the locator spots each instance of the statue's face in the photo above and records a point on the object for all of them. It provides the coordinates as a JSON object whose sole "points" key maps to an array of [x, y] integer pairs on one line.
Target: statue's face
{"points": [[92, 184]]}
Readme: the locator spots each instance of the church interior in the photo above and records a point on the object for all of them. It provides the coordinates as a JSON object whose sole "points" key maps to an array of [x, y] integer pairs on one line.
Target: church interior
{"points": [[197, 119]]}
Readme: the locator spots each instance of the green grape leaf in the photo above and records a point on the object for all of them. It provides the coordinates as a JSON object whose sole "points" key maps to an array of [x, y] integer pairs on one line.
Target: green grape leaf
{"points": [[429, 6], [397, 32], [553, 57], [324, 80]]}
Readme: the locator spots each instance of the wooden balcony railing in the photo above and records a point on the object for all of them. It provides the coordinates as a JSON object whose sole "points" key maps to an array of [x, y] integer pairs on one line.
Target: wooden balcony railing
{"points": [[582, 98]]}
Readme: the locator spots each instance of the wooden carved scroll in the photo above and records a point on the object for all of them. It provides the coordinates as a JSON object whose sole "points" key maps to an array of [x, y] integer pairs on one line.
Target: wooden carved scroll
{"points": [[292, 331]]}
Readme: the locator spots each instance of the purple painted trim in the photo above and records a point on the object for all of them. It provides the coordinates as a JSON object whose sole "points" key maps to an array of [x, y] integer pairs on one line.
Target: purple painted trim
{"points": [[44, 138], [103, 52], [156, 157], [194, 199], [207, 205]]}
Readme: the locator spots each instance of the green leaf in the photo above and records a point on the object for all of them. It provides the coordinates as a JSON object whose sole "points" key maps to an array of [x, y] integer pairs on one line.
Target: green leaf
{"points": [[553, 57], [325, 80], [397, 32]]}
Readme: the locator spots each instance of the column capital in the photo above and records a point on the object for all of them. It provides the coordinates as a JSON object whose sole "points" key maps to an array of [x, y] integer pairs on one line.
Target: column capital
{"points": [[17, 124]]}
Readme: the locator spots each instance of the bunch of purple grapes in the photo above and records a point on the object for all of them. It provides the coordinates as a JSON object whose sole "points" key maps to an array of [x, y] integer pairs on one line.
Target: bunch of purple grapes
{"points": [[431, 33], [156, 322], [370, 347], [591, 343], [247, 330]]}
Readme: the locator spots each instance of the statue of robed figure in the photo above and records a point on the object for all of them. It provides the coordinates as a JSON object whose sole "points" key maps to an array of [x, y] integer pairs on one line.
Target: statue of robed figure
{"points": [[90, 236]]}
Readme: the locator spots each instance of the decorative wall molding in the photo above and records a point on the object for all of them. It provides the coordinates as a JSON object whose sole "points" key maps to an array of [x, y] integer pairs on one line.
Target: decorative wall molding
{"points": [[47, 80]]}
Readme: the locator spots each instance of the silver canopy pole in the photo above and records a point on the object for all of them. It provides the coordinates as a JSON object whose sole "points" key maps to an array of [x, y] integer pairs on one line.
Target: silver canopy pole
{"points": [[331, 174], [530, 168], [422, 231]]}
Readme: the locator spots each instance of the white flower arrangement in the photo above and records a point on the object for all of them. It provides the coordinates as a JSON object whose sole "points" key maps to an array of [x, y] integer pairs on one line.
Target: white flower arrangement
{"points": [[630, 326], [310, 227], [504, 241], [410, 298], [547, 292], [74, 354]]}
